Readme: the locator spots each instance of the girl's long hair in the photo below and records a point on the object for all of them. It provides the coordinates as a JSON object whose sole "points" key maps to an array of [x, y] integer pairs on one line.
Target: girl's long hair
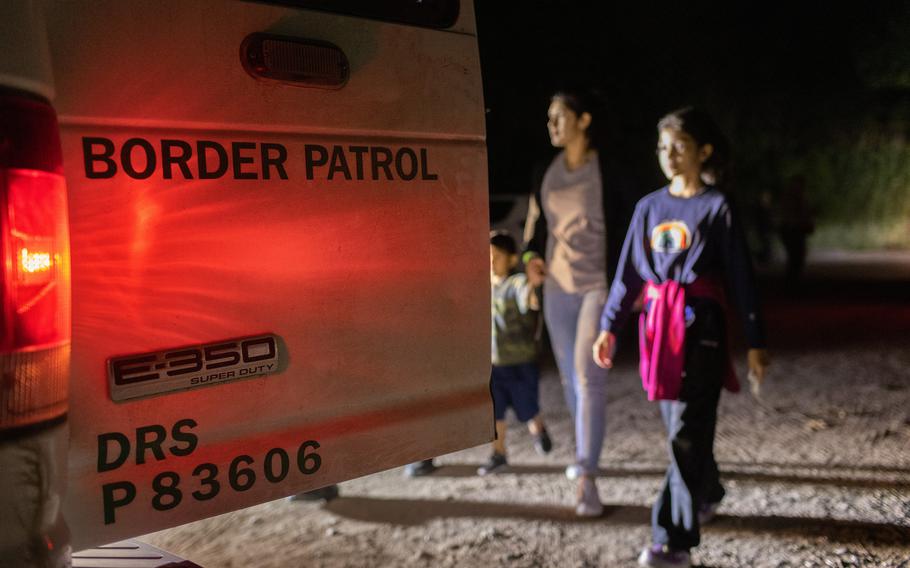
{"points": [[702, 128]]}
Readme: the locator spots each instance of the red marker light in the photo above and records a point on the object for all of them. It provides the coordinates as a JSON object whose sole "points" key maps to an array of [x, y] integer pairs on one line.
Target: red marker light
{"points": [[34, 272]]}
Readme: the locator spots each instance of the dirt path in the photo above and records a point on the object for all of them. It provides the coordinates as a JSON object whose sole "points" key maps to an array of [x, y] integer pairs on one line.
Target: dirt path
{"points": [[817, 472]]}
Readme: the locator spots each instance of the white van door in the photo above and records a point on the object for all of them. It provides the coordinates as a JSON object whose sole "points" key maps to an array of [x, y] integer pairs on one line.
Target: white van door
{"points": [[279, 249]]}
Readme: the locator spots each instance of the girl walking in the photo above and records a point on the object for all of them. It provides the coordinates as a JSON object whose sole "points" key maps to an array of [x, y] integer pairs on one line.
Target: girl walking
{"points": [[683, 250]]}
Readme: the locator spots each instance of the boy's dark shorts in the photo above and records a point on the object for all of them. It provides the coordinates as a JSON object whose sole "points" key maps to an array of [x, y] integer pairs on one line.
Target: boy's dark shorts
{"points": [[515, 386]]}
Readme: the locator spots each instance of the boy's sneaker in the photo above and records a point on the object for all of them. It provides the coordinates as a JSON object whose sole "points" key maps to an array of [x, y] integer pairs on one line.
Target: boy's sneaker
{"points": [[496, 463], [419, 469], [542, 442], [660, 556], [707, 512], [588, 504]]}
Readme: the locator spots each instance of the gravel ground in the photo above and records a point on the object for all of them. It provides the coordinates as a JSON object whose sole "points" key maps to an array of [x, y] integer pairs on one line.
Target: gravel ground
{"points": [[817, 471]]}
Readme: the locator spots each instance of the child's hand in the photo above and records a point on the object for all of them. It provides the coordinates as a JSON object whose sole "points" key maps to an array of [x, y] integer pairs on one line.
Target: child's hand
{"points": [[758, 363], [604, 349], [533, 300], [536, 271]]}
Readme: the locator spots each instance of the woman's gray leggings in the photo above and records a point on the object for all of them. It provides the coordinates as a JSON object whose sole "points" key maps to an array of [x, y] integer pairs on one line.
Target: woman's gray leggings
{"points": [[573, 322]]}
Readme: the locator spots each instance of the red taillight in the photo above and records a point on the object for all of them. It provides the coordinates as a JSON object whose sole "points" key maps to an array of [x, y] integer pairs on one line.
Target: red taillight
{"points": [[34, 248]]}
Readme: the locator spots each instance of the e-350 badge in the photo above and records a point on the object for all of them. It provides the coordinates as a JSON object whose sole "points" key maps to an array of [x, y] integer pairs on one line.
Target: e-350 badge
{"points": [[135, 376]]}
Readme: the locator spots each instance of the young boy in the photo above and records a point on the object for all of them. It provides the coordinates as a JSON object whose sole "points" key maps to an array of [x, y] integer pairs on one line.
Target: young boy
{"points": [[514, 380]]}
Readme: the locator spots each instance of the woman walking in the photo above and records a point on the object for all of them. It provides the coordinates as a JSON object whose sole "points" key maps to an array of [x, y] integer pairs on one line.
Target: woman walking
{"points": [[575, 210]]}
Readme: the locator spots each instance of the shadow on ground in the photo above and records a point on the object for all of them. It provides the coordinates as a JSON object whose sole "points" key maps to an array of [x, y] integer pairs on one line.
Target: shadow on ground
{"points": [[855, 476], [412, 512]]}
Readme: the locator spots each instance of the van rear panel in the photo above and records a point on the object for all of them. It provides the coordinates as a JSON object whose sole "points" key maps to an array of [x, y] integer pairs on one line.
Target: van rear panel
{"points": [[275, 288]]}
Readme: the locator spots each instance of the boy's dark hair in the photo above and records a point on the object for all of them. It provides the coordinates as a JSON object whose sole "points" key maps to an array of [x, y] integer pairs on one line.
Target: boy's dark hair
{"points": [[503, 241], [700, 126]]}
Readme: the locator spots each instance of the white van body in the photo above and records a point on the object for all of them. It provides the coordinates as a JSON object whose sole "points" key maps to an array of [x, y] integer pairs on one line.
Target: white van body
{"points": [[307, 306]]}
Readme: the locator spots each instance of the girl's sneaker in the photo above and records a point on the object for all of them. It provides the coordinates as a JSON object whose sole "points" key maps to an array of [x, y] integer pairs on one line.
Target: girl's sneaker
{"points": [[573, 471], [707, 512], [588, 504], [660, 556]]}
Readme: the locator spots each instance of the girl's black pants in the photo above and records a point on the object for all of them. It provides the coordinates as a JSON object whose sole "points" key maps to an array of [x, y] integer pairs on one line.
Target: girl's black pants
{"points": [[692, 478]]}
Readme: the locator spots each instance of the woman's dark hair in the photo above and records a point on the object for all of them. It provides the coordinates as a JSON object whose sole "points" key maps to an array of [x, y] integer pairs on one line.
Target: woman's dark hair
{"points": [[702, 128], [503, 241], [584, 101]]}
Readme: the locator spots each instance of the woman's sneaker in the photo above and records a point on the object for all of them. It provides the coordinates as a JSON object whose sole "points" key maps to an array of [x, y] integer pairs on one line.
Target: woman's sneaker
{"points": [[660, 556], [573, 471], [542, 442], [496, 463], [588, 504]]}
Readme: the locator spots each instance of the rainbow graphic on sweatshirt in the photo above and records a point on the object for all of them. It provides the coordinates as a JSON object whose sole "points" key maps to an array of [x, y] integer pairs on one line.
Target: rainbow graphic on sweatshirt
{"points": [[671, 236]]}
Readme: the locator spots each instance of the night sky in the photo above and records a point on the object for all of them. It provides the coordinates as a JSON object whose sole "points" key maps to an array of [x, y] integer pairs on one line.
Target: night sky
{"points": [[813, 88]]}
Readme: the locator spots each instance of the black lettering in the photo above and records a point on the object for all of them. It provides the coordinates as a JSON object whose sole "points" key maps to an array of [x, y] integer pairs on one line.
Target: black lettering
{"points": [[241, 478], [211, 480], [339, 163], [126, 158], [310, 151], [202, 147], [143, 444], [283, 468], [111, 503], [168, 158], [191, 440], [104, 464], [277, 161], [399, 164], [90, 157], [236, 148], [248, 357], [163, 490], [424, 168], [227, 355], [195, 360], [358, 152], [308, 463], [125, 370], [383, 162]]}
